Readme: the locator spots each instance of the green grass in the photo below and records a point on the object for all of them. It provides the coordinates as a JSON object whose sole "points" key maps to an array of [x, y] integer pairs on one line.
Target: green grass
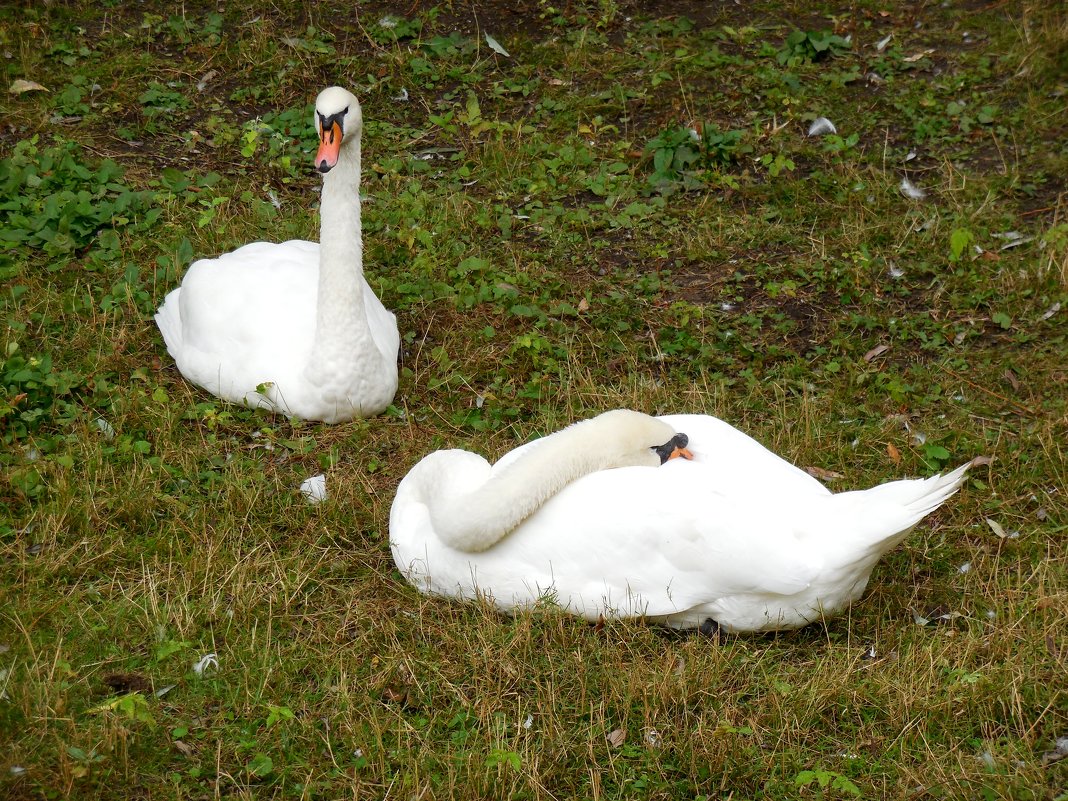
{"points": [[554, 244]]}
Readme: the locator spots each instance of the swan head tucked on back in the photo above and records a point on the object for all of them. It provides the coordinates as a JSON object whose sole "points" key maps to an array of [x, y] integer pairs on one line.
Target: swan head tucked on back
{"points": [[338, 121]]}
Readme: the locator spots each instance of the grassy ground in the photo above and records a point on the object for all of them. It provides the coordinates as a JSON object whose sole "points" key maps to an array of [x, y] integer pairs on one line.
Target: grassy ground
{"points": [[555, 243]]}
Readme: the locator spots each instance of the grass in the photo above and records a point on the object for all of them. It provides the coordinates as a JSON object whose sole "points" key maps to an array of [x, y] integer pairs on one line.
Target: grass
{"points": [[555, 243]]}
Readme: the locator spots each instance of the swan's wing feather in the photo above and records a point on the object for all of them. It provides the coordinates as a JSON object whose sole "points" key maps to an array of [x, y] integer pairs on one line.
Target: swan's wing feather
{"points": [[736, 461], [617, 540]]}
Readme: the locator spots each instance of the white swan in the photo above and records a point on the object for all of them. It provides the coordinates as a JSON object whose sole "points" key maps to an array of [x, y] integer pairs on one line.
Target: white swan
{"points": [[733, 534], [293, 327]]}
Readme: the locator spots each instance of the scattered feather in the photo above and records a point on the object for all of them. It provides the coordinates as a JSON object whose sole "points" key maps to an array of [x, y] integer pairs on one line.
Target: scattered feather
{"points": [[387, 22], [271, 196], [980, 461], [162, 691], [987, 759], [402, 97], [104, 427], [918, 438], [205, 662], [882, 43], [1042, 514], [726, 306], [895, 271], [820, 126], [36, 548], [205, 79], [528, 722], [21, 85], [910, 155], [616, 737], [878, 350], [966, 567], [991, 614], [910, 190], [583, 305], [314, 488], [652, 738], [16, 770], [822, 474], [495, 46], [869, 653], [1015, 243], [1052, 310]]}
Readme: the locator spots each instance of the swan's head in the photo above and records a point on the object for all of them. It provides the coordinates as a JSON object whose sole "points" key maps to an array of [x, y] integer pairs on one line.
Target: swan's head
{"points": [[631, 438], [338, 120]]}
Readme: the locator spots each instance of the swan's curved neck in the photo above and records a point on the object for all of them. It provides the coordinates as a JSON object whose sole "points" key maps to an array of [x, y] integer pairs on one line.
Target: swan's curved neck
{"points": [[341, 320], [474, 511]]}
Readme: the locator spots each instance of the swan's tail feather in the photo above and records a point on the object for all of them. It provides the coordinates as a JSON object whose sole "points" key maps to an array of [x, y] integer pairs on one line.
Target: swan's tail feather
{"points": [[936, 490], [918, 497]]}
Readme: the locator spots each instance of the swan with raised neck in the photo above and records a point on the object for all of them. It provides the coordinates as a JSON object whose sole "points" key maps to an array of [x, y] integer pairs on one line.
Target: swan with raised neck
{"points": [[474, 505], [294, 327]]}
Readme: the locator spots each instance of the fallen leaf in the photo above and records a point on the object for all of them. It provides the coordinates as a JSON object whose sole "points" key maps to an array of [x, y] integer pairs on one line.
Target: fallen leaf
{"points": [[495, 46], [878, 350], [979, 461], [616, 737], [1010, 376], [1059, 752], [917, 56], [995, 526], [183, 748], [822, 474], [583, 305], [20, 85], [893, 453]]}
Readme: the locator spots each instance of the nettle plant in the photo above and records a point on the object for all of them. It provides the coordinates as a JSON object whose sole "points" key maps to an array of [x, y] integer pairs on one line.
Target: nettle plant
{"points": [[804, 46], [684, 158]]}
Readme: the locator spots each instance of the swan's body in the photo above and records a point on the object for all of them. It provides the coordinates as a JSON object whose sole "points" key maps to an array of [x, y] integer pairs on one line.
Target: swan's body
{"points": [[736, 534], [293, 327]]}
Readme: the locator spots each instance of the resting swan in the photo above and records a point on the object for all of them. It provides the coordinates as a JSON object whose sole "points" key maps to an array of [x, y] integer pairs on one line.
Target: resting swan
{"points": [[293, 327], [730, 533]]}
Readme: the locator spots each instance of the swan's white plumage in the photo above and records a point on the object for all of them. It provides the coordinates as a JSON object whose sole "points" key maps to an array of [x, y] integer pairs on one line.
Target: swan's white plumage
{"points": [[737, 535], [244, 325]]}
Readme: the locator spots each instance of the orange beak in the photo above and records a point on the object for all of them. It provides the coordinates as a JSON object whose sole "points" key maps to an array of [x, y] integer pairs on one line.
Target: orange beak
{"points": [[329, 148], [680, 453]]}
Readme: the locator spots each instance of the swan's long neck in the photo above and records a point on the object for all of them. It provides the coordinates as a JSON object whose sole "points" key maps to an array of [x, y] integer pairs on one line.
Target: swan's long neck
{"points": [[341, 328], [472, 509]]}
